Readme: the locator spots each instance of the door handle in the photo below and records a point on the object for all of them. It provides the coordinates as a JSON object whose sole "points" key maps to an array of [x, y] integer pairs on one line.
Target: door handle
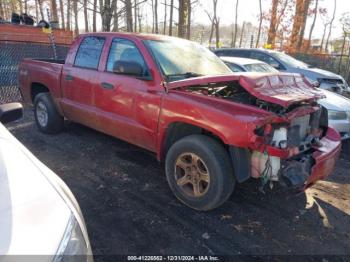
{"points": [[107, 85], [69, 78]]}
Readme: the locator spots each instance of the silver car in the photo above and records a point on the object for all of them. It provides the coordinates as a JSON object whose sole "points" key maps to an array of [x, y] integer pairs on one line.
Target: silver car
{"points": [[338, 106], [285, 63], [39, 214]]}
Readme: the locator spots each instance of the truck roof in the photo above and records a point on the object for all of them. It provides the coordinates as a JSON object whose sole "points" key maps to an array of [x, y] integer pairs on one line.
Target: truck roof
{"points": [[140, 36]]}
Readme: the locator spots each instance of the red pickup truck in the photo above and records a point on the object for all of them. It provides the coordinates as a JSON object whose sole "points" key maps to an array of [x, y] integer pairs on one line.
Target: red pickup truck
{"points": [[177, 99]]}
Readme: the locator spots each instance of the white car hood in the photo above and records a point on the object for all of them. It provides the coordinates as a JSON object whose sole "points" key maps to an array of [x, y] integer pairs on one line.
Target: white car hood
{"points": [[33, 215], [335, 101]]}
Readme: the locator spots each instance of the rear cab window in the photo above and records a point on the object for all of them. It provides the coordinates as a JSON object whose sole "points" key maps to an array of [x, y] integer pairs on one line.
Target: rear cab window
{"points": [[89, 52]]}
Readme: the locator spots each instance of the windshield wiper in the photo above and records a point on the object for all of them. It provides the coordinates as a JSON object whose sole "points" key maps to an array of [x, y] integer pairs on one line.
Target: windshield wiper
{"points": [[185, 75]]}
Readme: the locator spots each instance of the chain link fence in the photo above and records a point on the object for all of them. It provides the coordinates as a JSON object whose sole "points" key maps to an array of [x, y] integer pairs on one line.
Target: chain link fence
{"points": [[11, 54]]}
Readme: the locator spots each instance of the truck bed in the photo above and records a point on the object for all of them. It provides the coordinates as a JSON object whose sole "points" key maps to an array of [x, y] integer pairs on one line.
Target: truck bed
{"points": [[47, 72]]}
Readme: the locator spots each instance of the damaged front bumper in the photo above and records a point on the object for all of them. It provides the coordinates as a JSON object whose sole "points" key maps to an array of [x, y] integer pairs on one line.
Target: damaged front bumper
{"points": [[325, 157], [298, 171]]}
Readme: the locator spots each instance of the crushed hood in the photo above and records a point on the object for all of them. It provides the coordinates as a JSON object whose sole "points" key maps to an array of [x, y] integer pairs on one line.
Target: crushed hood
{"points": [[281, 89]]}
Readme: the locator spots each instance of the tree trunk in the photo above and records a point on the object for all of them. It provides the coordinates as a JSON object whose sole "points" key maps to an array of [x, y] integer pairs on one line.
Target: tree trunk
{"points": [[2, 10], [36, 11], [68, 14], [26, 6], [233, 42], [342, 53], [298, 19], [62, 14], [189, 17], [171, 17], [156, 17], [129, 19], [135, 16], [271, 40], [306, 6], [165, 15], [54, 14], [323, 36], [94, 16], [312, 26], [20, 4], [211, 32], [242, 34], [260, 24], [115, 19], [76, 20], [330, 26], [183, 17], [139, 17], [86, 19]]}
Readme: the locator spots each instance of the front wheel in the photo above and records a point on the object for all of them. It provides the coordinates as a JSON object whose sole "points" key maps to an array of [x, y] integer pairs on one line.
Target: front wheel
{"points": [[199, 172], [47, 118]]}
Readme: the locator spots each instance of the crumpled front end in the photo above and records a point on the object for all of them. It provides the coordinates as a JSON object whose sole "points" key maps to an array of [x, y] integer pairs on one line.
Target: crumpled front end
{"points": [[296, 153]]}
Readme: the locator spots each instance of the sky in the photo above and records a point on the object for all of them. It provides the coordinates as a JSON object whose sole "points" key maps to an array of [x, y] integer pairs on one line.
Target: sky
{"points": [[249, 12]]}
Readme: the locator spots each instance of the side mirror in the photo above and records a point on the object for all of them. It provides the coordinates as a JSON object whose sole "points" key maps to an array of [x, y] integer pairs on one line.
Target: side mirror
{"points": [[10, 112], [128, 68]]}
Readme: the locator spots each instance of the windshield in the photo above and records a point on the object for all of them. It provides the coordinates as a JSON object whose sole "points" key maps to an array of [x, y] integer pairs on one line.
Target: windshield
{"points": [[181, 59], [260, 68], [290, 60]]}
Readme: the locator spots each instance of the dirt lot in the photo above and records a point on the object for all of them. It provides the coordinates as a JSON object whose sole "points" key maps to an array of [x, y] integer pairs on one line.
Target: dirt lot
{"points": [[129, 208]]}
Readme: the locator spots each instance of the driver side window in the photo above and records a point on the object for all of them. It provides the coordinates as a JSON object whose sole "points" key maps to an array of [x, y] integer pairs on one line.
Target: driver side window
{"points": [[124, 50]]}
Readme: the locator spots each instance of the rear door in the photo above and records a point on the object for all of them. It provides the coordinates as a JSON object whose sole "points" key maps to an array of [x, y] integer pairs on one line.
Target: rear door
{"points": [[79, 81], [128, 106]]}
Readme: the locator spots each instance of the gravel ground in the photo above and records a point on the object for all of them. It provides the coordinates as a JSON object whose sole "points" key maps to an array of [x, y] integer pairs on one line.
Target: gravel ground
{"points": [[129, 208]]}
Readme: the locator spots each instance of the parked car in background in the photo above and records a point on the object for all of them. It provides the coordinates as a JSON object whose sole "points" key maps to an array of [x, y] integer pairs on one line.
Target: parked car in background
{"points": [[285, 63], [338, 106], [238, 64], [39, 214], [177, 99]]}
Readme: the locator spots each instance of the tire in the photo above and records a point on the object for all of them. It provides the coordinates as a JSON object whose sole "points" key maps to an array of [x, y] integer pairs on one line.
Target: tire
{"points": [[47, 118], [211, 160]]}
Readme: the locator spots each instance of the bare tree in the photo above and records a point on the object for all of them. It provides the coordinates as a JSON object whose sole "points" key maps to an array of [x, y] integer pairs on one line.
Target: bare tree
{"points": [[183, 17], [68, 14], [129, 19], [303, 23], [135, 16], [234, 38], [54, 15], [331, 25], [94, 12], [86, 20], [171, 17], [260, 25], [296, 24], [242, 34], [62, 14], [312, 25], [165, 15], [214, 25], [107, 8], [156, 29], [271, 40], [76, 20]]}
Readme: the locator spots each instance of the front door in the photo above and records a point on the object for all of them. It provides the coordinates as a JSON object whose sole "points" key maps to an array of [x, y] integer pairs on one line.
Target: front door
{"points": [[127, 108]]}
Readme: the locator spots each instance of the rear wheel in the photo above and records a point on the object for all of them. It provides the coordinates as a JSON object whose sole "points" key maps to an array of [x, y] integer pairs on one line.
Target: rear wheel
{"points": [[199, 172], [47, 118]]}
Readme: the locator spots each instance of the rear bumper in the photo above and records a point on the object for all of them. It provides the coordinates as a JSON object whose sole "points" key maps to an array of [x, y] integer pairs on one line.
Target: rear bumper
{"points": [[325, 157]]}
